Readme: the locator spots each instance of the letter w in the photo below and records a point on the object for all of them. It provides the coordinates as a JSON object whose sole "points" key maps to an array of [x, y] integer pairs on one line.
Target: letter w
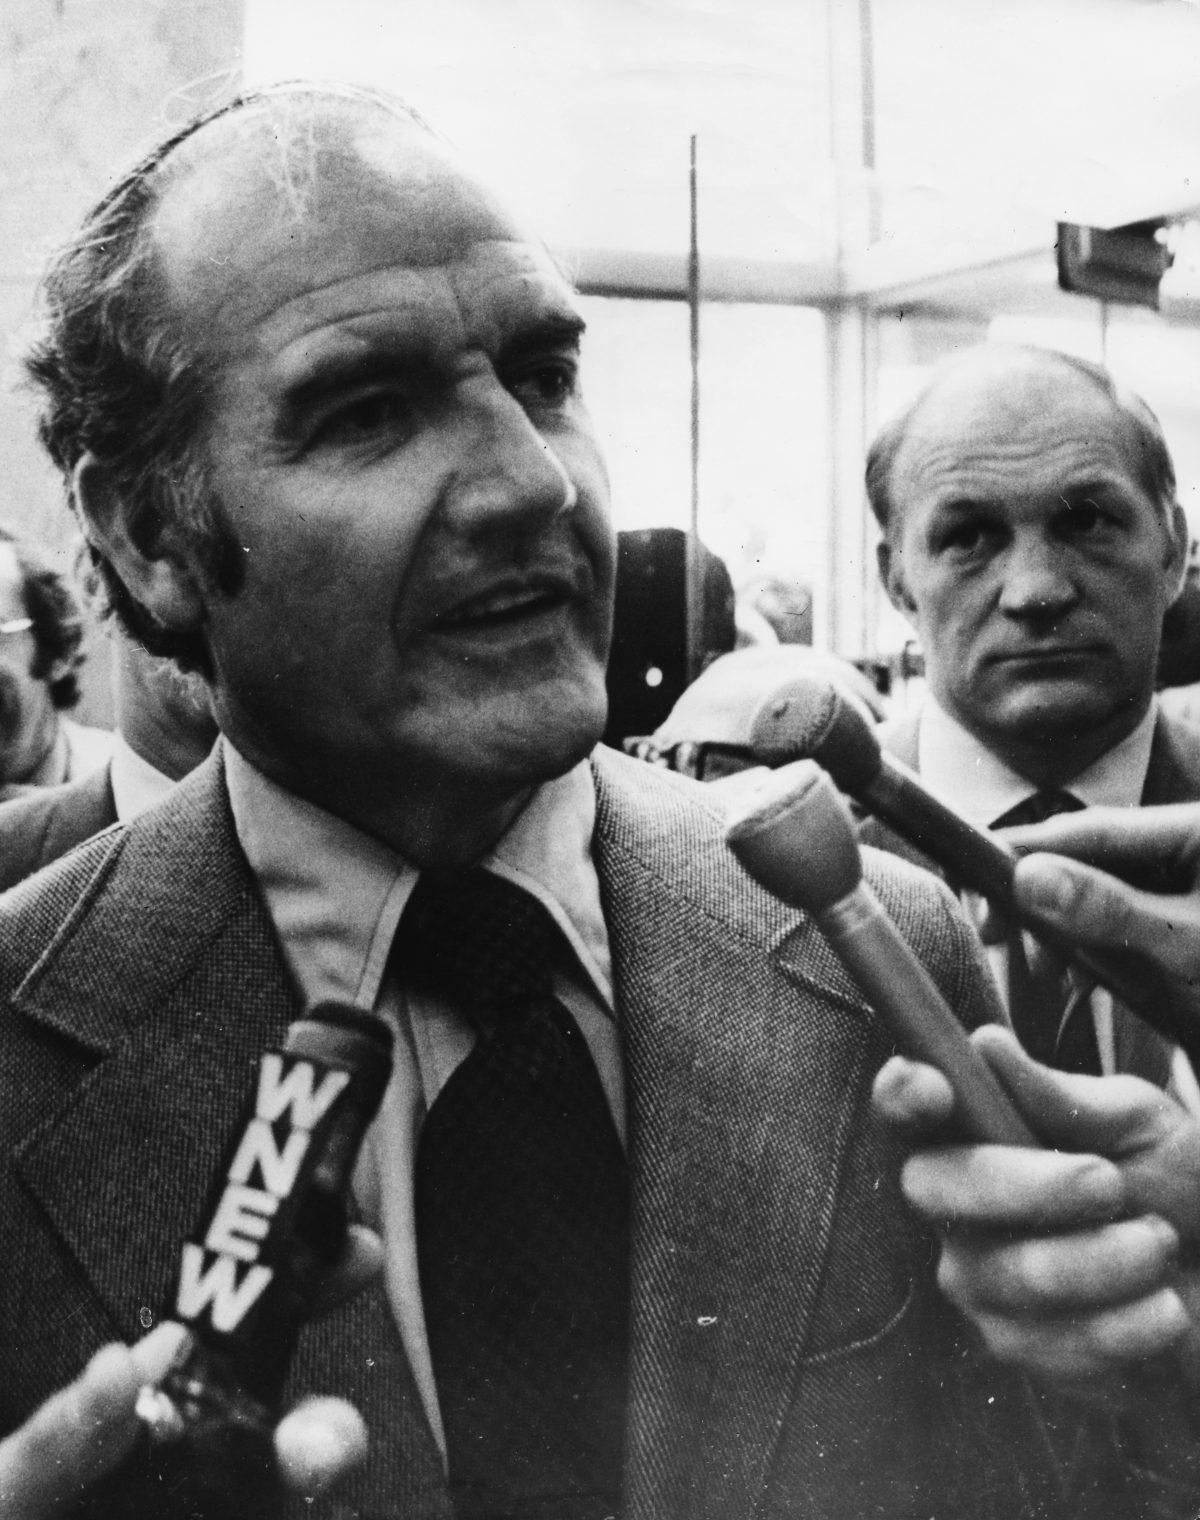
{"points": [[295, 1091]]}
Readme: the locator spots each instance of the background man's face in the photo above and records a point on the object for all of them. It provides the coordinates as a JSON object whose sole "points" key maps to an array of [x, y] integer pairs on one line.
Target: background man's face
{"points": [[1033, 565], [400, 445], [27, 718]]}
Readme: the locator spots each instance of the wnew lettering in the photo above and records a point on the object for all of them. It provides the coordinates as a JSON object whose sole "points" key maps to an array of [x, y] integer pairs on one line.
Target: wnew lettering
{"points": [[294, 1091], [278, 1168], [217, 1286], [241, 1222]]}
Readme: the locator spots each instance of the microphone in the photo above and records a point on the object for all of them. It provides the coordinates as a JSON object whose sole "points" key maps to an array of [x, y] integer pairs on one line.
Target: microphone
{"points": [[795, 836], [808, 719], [275, 1223]]}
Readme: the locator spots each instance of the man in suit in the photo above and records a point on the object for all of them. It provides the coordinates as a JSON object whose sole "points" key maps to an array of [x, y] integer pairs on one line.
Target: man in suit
{"points": [[164, 730], [1032, 536], [363, 498]]}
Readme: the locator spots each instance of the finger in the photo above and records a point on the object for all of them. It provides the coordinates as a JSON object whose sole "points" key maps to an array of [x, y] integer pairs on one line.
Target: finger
{"points": [[156, 1353], [1095, 1346], [318, 1443], [1006, 1187], [72, 1439], [1098, 910], [361, 1261], [1115, 1115], [912, 1097], [1138, 842], [1057, 1275]]}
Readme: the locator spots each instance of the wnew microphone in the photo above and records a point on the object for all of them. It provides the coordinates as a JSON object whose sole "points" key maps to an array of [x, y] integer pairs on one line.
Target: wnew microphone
{"points": [[811, 720], [795, 836]]}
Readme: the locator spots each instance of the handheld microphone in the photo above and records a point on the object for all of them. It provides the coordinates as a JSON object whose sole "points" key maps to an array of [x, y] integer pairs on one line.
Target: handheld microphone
{"points": [[795, 836], [811, 720], [275, 1223]]}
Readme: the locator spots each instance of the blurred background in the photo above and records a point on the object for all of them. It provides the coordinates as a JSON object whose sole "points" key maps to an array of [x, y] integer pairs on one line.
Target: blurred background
{"points": [[877, 184]]}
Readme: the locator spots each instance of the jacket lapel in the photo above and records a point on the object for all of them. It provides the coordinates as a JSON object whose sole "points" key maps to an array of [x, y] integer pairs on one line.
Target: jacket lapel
{"points": [[167, 971], [1173, 773], [721, 1308]]}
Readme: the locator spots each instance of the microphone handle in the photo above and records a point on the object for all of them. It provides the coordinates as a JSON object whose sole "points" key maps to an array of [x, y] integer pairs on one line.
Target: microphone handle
{"points": [[983, 863], [906, 997]]}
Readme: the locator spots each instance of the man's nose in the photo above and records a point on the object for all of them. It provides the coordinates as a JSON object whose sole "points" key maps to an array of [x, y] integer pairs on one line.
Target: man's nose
{"points": [[1037, 581], [508, 473]]}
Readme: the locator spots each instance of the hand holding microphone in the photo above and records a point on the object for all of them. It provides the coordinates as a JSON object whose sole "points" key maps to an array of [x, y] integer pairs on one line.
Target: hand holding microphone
{"points": [[814, 721]]}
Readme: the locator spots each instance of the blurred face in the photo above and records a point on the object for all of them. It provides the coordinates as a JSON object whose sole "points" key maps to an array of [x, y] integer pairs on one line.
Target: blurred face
{"points": [[28, 724], [1032, 564], [399, 442]]}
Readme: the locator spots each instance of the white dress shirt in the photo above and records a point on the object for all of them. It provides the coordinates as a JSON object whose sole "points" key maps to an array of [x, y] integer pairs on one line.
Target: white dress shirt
{"points": [[961, 772], [335, 896]]}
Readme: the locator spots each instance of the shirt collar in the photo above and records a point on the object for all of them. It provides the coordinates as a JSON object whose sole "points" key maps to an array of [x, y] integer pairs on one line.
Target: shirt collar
{"points": [[335, 894], [136, 784], [964, 774]]}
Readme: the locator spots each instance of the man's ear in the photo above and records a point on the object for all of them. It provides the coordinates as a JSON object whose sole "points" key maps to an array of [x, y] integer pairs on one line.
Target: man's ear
{"points": [[891, 573], [162, 580], [1175, 556]]}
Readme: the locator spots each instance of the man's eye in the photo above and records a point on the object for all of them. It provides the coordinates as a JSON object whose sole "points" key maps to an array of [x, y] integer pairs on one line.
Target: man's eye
{"points": [[369, 418], [1081, 519], [962, 538], [548, 384]]}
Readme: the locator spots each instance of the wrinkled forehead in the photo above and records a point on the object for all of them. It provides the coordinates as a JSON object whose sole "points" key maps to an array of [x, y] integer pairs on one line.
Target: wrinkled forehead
{"points": [[1029, 421], [253, 215]]}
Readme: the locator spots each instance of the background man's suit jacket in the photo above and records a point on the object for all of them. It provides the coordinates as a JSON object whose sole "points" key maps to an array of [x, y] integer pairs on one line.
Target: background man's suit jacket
{"points": [[48, 821], [790, 1355]]}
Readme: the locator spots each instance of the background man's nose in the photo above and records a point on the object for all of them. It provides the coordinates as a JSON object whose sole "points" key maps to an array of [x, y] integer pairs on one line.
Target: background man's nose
{"points": [[1036, 582]]}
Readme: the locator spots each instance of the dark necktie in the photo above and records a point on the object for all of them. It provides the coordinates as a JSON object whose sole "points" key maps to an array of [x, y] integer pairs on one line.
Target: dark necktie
{"points": [[522, 1209], [1051, 1023]]}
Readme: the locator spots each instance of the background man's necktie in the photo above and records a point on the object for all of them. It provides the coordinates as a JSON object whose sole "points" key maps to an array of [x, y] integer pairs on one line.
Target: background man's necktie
{"points": [[1040, 990], [522, 1217]]}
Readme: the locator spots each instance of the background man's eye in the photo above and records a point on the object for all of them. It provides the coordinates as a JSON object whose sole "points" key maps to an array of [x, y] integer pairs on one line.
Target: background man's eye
{"points": [[1084, 517], [963, 538]]}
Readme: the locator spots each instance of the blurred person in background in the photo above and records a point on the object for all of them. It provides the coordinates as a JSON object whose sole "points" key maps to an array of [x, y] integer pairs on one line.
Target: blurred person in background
{"points": [[707, 734], [164, 729], [1033, 538], [41, 639]]}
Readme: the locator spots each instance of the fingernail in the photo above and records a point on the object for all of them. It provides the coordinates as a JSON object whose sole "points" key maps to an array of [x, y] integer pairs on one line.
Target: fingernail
{"points": [[1101, 1182], [1045, 885]]}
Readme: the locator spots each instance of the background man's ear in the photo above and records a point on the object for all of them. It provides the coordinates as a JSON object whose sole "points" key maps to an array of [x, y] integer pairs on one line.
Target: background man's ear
{"points": [[891, 574], [161, 579]]}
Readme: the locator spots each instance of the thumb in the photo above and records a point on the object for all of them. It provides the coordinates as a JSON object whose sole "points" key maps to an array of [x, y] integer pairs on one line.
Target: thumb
{"points": [[1114, 1116], [1096, 909]]}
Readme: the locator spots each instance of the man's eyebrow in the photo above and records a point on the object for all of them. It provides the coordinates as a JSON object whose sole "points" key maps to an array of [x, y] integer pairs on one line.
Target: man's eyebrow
{"points": [[341, 367], [555, 329]]}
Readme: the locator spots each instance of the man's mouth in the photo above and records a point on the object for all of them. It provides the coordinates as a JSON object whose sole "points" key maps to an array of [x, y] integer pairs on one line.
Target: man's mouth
{"points": [[504, 605]]}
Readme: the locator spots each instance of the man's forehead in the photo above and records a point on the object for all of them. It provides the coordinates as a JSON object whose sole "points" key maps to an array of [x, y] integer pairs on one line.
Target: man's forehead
{"points": [[1013, 416], [247, 218]]}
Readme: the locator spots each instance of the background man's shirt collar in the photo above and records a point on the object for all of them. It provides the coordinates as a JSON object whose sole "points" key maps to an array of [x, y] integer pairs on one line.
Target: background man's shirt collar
{"points": [[963, 773]]}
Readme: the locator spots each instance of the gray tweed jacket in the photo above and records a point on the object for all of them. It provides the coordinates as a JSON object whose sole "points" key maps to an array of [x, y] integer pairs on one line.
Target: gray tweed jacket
{"points": [[789, 1353]]}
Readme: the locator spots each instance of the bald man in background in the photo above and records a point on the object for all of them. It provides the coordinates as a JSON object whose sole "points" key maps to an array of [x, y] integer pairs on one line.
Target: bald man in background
{"points": [[1032, 535]]}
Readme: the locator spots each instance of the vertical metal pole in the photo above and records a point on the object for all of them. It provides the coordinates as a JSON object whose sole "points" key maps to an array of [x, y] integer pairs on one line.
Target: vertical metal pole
{"points": [[693, 590]]}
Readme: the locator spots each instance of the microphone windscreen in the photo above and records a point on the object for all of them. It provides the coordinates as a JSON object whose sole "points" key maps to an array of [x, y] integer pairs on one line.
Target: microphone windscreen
{"points": [[795, 836], [811, 720]]}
